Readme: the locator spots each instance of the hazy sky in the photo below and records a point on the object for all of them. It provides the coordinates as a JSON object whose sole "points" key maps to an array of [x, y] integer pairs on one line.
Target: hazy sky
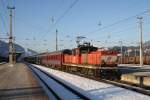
{"points": [[34, 22]]}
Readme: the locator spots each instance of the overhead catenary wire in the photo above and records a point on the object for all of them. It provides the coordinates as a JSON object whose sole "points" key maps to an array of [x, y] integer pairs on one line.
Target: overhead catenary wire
{"points": [[98, 30], [5, 4], [3, 23], [117, 22], [62, 16], [128, 28], [122, 20], [34, 27], [57, 21], [122, 31], [146, 23], [2, 20]]}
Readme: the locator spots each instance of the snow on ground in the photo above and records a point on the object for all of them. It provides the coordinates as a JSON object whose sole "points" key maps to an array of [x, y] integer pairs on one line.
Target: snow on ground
{"points": [[94, 89], [57, 87], [133, 65], [2, 63]]}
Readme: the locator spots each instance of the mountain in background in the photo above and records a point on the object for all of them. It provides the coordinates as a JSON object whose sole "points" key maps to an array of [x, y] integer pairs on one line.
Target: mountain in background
{"points": [[147, 44], [32, 51], [4, 49], [133, 50], [19, 49]]}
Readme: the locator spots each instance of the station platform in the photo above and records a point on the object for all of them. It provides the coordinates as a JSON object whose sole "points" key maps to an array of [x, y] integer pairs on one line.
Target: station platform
{"points": [[18, 83], [132, 68], [139, 78]]}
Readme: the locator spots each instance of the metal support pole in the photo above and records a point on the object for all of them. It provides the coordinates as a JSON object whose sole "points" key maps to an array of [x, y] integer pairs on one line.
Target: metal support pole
{"points": [[14, 52], [141, 41], [56, 40], [121, 51], [11, 37], [0, 32], [135, 52]]}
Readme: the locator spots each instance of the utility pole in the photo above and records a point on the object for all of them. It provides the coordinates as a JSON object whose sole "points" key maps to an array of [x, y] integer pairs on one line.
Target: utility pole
{"points": [[14, 52], [141, 41], [135, 52], [10, 37], [121, 51], [56, 40], [0, 32]]}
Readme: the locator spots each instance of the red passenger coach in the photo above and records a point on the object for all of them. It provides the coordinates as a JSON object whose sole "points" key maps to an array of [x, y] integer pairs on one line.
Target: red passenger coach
{"points": [[54, 59], [44, 58]]}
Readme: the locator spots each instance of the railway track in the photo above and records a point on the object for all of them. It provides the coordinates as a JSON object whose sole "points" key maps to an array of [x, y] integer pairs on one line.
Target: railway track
{"points": [[128, 86], [56, 89], [118, 84]]}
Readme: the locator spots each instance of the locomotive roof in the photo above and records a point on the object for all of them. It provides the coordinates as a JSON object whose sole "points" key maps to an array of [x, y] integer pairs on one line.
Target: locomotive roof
{"points": [[85, 49], [88, 47]]}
